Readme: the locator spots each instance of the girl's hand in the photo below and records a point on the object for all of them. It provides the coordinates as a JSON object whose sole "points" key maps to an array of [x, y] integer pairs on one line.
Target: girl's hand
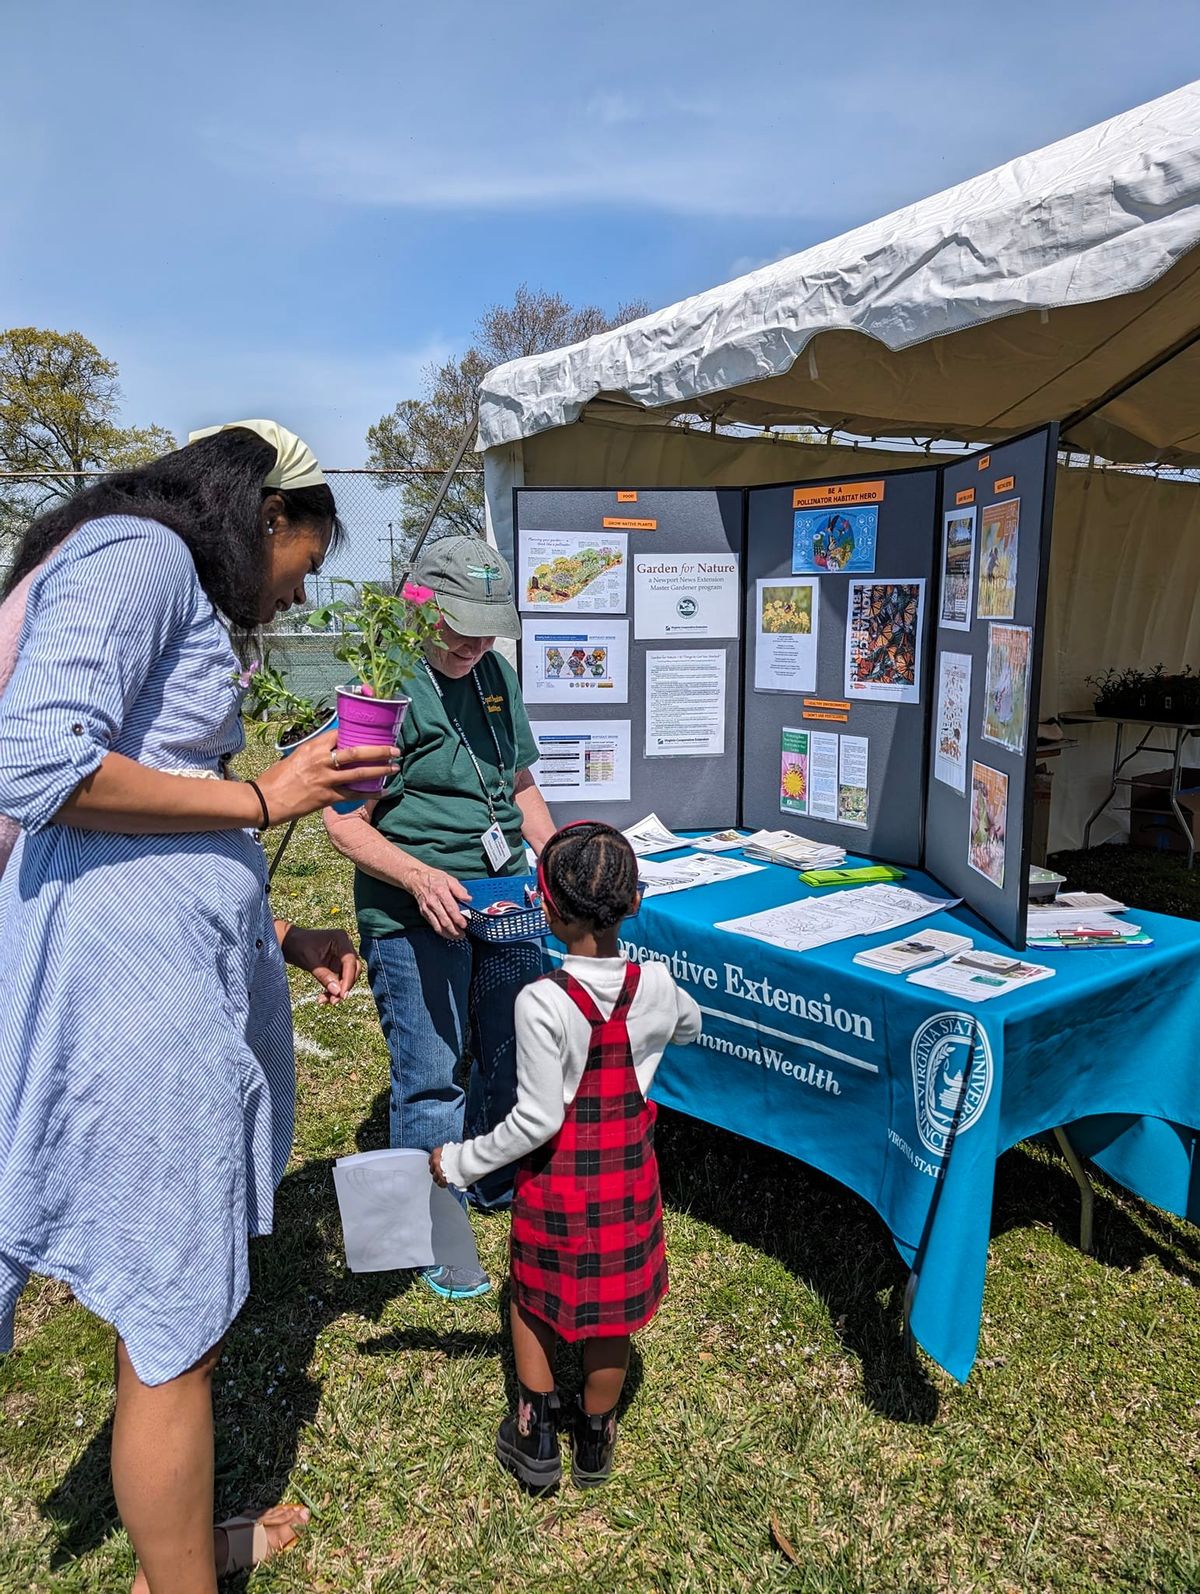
{"points": [[438, 895], [435, 1167], [328, 955], [309, 779]]}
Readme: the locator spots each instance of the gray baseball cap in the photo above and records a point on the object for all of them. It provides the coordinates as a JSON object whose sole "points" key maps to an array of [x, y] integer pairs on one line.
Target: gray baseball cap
{"points": [[473, 584]]}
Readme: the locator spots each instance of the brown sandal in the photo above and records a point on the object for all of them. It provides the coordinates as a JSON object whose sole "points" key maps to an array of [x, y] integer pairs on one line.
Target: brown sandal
{"points": [[247, 1543]]}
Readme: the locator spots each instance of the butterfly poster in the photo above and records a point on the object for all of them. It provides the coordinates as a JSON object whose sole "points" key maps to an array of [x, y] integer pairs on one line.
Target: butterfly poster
{"points": [[883, 641]]}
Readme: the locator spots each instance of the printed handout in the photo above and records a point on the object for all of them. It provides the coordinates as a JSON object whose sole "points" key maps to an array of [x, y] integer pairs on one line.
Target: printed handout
{"points": [[823, 773], [977, 976], [583, 761], [958, 568], [950, 728], [815, 921], [852, 781], [685, 703], [573, 572], [793, 771], [998, 528], [989, 823], [830, 541], [685, 595], [785, 636], [563, 660], [683, 874], [1006, 692], [651, 835], [718, 841], [883, 635]]}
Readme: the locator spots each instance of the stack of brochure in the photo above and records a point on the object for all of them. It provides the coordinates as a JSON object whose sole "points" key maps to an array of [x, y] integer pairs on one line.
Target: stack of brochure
{"points": [[902, 957], [797, 852]]}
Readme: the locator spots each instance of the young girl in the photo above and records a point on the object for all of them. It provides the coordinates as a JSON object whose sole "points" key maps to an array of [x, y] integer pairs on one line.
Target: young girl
{"points": [[588, 1261]]}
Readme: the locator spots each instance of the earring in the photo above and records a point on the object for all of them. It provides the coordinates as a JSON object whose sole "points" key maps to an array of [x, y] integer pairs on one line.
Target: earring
{"points": [[270, 528]]}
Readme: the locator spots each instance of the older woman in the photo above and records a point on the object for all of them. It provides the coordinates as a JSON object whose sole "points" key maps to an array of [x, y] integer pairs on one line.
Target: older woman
{"points": [[146, 1066], [462, 807]]}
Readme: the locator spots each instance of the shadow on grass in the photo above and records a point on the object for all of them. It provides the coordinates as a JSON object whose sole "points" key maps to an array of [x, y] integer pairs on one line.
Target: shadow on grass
{"points": [[821, 1232]]}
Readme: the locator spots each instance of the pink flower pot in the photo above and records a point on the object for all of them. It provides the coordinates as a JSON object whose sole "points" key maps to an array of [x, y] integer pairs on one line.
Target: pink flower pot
{"points": [[368, 722]]}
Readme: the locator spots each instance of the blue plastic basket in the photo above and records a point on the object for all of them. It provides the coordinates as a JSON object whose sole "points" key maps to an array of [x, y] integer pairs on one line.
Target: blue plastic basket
{"points": [[522, 924]]}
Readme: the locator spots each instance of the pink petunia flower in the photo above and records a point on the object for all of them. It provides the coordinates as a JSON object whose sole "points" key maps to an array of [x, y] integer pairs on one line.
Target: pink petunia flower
{"points": [[416, 594]]}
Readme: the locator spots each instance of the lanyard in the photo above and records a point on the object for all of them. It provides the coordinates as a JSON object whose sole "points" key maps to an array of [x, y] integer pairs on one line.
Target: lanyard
{"points": [[462, 736]]}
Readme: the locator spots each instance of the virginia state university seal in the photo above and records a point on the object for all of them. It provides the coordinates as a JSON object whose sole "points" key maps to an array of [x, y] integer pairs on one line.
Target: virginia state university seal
{"points": [[952, 1076]]}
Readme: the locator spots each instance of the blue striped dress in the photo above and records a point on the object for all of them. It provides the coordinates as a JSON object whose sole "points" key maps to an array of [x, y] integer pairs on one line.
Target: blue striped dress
{"points": [[146, 1064]]}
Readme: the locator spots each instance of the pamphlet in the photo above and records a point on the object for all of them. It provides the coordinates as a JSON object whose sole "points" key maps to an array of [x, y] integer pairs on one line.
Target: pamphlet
{"points": [[681, 874], [902, 957], [651, 835], [978, 976]]}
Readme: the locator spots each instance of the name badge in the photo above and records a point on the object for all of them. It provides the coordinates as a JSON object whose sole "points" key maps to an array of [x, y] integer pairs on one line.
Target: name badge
{"points": [[495, 847]]}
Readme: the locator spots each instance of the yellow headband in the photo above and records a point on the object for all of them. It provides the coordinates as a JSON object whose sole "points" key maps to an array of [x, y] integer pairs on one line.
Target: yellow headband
{"points": [[295, 463]]}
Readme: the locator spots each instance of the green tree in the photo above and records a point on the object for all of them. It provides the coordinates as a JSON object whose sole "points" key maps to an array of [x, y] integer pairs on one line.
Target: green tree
{"points": [[59, 402], [425, 433]]}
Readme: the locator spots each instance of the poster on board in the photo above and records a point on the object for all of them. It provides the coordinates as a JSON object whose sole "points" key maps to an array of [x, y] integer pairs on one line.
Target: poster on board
{"points": [[793, 771], [693, 595], [950, 727], [883, 634], [685, 703], [582, 761], [1006, 688], [999, 525], [573, 572], [989, 822], [958, 569], [785, 637], [834, 541], [566, 660]]}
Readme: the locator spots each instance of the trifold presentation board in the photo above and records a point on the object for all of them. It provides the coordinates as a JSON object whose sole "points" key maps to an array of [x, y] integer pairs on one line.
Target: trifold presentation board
{"points": [[857, 660]]}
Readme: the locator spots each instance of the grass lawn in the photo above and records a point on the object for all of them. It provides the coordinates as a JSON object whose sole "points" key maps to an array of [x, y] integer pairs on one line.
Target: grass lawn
{"points": [[777, 1435]]}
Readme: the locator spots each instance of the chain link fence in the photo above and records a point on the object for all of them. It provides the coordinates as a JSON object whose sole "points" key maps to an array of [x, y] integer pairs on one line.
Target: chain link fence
{"points": [[379, 509]]}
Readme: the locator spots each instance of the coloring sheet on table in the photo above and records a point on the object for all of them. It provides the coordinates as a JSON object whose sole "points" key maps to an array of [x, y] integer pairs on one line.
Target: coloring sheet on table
{"points": [[682, 874], [816, 921]]}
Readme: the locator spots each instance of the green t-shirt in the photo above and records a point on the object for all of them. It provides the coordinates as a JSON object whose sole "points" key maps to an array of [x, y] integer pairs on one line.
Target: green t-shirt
{"points": [[435, 807]]}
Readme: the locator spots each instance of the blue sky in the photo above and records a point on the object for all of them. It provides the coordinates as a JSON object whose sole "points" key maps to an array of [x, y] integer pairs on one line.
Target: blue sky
{"points": [[291, 210]]}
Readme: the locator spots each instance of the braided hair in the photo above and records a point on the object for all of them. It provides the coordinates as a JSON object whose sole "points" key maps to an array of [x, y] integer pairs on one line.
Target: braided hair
{"points": [[590, 874]]}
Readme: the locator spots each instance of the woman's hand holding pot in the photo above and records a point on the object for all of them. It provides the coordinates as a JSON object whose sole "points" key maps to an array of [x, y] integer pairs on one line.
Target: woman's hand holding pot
{"points": [[438, 895], [318, 773]]}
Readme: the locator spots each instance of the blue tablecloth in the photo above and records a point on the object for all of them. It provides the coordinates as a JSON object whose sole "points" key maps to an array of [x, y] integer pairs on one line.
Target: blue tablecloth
{"points": [[909, 1098]]}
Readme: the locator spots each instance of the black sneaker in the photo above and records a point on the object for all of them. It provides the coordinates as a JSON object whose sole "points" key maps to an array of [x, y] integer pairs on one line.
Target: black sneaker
{"points": [[527, 1443], [593, 1440]]}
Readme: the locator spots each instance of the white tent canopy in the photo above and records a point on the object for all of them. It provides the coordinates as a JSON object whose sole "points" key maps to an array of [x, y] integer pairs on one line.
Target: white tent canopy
{"points": [[1063, 286], [1022, 296]]}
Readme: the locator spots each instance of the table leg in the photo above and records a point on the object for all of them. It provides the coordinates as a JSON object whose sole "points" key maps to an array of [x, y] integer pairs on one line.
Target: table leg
{"points": [[1180, 817], [1086, 1194], [910, 1290], [1112, 790], [280, 850]]}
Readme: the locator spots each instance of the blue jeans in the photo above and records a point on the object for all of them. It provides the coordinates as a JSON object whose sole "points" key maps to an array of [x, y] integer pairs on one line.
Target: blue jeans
{"points": [[439, 1002]]}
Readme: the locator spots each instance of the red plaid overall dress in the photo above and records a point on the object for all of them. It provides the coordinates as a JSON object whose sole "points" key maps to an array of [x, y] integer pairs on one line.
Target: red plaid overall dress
{"points": [[587, 1239]]}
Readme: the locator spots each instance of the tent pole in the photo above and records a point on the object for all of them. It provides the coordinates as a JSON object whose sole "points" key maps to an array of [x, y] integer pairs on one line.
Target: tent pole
{"points": [[1123, 386], [439, 499]]}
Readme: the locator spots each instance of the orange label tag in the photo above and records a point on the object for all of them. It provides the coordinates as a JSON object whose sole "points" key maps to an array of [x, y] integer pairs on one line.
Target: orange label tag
{"points": [[967, 496], [822, 702], [1004, 484], [627, 498], [822, 714], [984, 461], [616, 523], [838, 493]]}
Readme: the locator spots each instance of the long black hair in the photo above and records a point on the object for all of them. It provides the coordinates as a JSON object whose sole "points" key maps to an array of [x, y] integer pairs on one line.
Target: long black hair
{"points": [[209, 494], [591, 874]]}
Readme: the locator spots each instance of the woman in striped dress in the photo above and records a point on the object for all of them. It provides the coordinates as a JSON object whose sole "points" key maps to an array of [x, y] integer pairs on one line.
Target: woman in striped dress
{"points": [[146, 1065]]}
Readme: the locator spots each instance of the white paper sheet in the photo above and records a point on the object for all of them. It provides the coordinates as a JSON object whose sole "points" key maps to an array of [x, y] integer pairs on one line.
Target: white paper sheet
{"points": [[823, 775], [394, 1216], [785, 636], [816, 921], [583, 761], [685, 703], [571, 572], [950, 727], [693, 595], [979, 976], [718, 841], [575, 660], [682, 874], [852, 781], [650, 835]]}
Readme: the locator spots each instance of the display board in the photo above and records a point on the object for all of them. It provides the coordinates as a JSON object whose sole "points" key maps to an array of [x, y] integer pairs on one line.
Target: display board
{"points": [[631, 654], [985, 681], [839, 588]]}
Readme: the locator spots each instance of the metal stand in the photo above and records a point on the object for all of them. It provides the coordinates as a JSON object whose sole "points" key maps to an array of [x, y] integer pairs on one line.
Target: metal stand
{"points": [[1086, 1193], [1173, 750], [280, 850]]}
